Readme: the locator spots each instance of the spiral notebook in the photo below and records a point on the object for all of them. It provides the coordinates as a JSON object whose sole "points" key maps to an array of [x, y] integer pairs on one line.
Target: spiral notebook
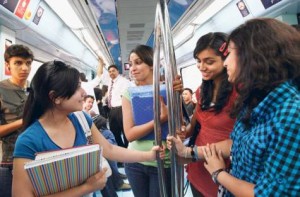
{"points": [[56, 171]]}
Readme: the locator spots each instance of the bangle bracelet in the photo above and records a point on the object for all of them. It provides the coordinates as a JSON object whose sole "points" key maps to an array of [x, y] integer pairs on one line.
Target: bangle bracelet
{"points": [[186, 152], [196, 153], [215, 174], [193, 154]]}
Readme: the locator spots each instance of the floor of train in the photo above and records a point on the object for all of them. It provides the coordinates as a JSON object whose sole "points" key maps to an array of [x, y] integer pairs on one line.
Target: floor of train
{"points": [[130, 194]]}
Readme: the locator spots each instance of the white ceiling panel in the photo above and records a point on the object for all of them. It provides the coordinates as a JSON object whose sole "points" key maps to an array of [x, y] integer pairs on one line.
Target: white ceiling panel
{"points": [[136, 22]]}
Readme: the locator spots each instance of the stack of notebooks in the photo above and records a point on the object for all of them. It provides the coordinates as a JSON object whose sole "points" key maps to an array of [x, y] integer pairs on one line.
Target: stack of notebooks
{"points": [[56, 171], [142, 107]]}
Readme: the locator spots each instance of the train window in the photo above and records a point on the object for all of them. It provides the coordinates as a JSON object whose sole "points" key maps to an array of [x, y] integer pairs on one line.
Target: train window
{"points": [[126, 66], [34, 66], [191, 77]]}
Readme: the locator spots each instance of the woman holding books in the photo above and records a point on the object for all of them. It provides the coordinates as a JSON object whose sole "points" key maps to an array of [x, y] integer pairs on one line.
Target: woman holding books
{"points": [[50, 124], [143, 176]]}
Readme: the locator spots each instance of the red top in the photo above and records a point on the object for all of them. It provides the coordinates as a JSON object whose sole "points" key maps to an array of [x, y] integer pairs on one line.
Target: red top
{"points": [[214, 128]]}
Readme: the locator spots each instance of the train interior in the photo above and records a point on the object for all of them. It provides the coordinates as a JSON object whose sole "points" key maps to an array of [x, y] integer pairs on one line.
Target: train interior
{"points": [[80, 31]]}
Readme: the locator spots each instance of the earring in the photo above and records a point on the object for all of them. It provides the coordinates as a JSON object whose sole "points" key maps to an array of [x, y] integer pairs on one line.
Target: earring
{"points": [[57, 101]]}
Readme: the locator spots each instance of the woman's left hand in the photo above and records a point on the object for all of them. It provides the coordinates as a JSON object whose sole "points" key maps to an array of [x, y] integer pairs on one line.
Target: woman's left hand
{"points": [[182, 133], [176, 141], [177, 84], [214, 159]]}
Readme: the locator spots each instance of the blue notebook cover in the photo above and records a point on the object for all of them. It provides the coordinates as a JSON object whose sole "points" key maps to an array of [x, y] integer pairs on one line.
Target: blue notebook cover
{"points": [[142, 106]]}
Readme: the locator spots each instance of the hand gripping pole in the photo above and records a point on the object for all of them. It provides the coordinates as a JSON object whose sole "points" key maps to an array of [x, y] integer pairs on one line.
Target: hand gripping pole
{"points": [[163, 39]]}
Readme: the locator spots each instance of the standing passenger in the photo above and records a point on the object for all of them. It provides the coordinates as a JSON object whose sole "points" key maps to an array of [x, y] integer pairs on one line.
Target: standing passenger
{"points": [[18, 59], [215, 98], [187, 101], [264, 65], [88, 102], [50, 124], [116, 88], [143, 176]]}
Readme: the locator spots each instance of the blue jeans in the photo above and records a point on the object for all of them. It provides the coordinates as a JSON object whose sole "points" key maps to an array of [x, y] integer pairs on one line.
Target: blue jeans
{"points": [[108, 190], [114, 181], [5, 182], [115, 175], [144, 180], [109, 136]]}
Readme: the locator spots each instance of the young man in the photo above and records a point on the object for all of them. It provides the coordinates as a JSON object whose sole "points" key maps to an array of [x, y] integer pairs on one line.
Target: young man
{"points": [[88, 104], [187, 101], [13, 94]]}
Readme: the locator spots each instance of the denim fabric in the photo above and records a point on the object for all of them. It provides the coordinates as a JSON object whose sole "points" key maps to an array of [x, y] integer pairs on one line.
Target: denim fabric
{"points": [[144, 180], [109, 190], [107, 134], [114, 181], [115, 175], [5, 182]]}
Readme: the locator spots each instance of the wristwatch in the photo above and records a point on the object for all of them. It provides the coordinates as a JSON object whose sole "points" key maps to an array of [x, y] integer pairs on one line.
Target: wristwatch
{"points": [[215, 174]]}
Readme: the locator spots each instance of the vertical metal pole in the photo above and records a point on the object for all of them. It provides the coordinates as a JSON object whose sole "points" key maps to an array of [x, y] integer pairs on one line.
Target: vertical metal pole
{"points": [[156, 101], [162, 25]]}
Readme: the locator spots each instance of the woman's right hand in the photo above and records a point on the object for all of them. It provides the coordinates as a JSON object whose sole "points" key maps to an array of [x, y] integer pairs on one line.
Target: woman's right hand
{"points": [[178, 145], [101, 64], [97, 181]]}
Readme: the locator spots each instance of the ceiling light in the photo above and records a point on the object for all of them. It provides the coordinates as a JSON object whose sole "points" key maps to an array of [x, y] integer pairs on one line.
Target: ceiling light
{"points": [[85, 36], [210, 11], [183, 34]]}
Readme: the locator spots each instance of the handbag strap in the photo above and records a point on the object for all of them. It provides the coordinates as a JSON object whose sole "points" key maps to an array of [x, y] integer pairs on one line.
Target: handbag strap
{"points": [[84, 124]]}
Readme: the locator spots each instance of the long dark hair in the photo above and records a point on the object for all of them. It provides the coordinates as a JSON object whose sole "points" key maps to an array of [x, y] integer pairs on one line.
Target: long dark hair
{"points": [[53, 76], [268, 54], [214, 41], [145, 53]]}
